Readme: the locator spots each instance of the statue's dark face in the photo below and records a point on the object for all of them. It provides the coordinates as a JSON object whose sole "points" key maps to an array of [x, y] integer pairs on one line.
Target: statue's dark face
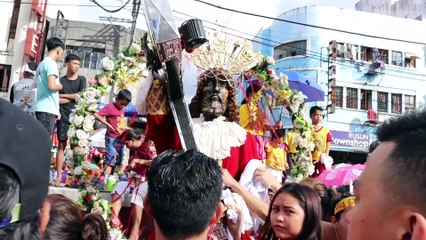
{"points": [[215, 97]]}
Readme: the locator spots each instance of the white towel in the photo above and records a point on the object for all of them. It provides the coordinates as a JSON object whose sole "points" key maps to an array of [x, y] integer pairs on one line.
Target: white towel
{"points": [[235, 201]]}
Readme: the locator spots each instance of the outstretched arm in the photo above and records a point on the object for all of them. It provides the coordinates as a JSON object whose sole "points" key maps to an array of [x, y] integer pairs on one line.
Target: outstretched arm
{"points": [[256, 205]]}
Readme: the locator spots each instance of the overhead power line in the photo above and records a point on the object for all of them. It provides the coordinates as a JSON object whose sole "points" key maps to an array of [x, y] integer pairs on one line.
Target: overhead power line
{"points": [[107, 10], [308, 25]]}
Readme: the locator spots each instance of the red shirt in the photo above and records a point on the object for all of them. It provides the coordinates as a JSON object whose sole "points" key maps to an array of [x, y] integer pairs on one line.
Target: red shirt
{"points": [[142, 152], [115, 117]]}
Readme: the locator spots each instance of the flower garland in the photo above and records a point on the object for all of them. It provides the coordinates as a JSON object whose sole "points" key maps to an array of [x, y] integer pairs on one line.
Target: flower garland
{"points": [[293, 100], [125, 70]]}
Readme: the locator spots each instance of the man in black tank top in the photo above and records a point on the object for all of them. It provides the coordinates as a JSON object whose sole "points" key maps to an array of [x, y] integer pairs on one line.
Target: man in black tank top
{"points": [[72, 84]]}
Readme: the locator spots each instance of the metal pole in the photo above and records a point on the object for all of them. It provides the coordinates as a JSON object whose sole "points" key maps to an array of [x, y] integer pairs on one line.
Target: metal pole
{"points": [[135, 13]]}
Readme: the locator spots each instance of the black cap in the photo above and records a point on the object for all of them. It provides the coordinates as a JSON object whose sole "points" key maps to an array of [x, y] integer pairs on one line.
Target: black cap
{"points": [[25, 149]]}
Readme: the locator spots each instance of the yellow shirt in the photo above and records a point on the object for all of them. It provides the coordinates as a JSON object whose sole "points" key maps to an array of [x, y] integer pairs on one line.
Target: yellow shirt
{"points": [[255, 128], [320, 138], [291, 140], [276, 158]]}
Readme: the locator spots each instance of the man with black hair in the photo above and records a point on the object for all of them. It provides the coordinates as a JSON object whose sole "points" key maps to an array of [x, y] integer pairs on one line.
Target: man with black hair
{"points": [[391, 192], [184, 191], [72, 84], [48, 85]]}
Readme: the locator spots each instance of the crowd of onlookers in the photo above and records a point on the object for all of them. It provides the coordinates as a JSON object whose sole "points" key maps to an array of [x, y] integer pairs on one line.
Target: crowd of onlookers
{"points": [[185, 197]]}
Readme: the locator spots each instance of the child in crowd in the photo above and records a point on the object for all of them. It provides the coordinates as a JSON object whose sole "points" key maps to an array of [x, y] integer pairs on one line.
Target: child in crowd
{"points": [[112, 115], [276, 159], [321, 137], [142, 152]]}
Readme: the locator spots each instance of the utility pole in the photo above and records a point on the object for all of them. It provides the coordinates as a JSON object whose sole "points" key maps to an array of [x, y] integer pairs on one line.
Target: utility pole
{"points": [[135, 13]]}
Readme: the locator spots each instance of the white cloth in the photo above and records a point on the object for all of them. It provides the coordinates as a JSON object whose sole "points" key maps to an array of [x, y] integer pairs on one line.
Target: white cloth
{"points": [[327, 161], [233, 200], [138, 192], [255, 187], [216, 138], [143, 90], [278, 174]]}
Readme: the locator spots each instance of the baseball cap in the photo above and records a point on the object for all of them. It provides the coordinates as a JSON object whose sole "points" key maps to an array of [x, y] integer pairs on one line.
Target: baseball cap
{"points": [[25, 152], [27, 68]]}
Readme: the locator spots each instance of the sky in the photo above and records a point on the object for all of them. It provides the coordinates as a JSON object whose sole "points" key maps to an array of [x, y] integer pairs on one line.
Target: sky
{"points": [[247, 26]]}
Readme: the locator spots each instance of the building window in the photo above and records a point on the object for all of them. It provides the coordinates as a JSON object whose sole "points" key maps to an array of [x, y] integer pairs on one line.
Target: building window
{"points": [[366, 54], [352, 98], [290, 49], [382, 101], [396, 103], [397, 58], [383, 55], [410, 103], [338, 101], [366, 101], [410, 60], [90, 57]]}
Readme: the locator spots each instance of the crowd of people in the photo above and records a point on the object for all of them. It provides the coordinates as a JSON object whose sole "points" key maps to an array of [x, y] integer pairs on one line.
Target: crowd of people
{"points": [[233, 187]]}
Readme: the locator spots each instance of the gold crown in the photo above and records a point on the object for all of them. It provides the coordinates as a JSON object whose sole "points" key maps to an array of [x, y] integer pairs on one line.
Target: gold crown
{"points": [[223, 52], [344, 203]]}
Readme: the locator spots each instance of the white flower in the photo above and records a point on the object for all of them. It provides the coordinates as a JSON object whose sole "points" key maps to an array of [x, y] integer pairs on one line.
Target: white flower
{"points": [[309, 167], [80, 150], [78, 170], [90, 94], [78, 120], [92, 90], [91, 189], [299, 98], [294, 107], [69, 153], [70, 163], [136, 48], [107, 64], [71, 117], [284, 79], [275, 83], [80, 101], [83, 142], [71, 132], [302, 142], [120, 56], [311, 146], [81, 135], [88, 124], [270, 60], [92, 107]]}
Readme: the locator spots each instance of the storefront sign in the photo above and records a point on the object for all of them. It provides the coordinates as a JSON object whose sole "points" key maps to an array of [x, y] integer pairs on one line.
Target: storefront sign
{"points": [[355, 140]]}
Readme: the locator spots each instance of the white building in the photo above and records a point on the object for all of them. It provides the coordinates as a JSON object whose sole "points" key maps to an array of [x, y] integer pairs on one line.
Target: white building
{"points": [[373, 65]]}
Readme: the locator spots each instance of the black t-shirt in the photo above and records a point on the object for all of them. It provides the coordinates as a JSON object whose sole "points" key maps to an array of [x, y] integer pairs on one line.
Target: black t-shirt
{"points": [[70, 87]]}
